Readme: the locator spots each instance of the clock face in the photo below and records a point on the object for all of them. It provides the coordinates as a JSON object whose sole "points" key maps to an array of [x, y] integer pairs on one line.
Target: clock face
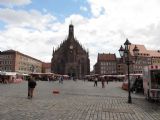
{"points": [[71, 46]]}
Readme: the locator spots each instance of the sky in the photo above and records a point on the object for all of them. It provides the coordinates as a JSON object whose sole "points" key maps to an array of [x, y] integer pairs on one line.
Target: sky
{"points": [[34, 27]]}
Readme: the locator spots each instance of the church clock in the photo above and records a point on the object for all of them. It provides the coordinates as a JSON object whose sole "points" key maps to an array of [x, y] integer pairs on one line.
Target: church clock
{"points": [[71, 47]]}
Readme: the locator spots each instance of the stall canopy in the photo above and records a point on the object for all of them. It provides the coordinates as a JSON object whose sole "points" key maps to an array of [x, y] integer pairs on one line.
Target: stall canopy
{"points": [[8, 73]]}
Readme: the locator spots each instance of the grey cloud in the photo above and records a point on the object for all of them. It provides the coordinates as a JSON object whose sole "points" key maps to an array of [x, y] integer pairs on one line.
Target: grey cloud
{"points": [[54, 40], [149, 36], [93, 32]]}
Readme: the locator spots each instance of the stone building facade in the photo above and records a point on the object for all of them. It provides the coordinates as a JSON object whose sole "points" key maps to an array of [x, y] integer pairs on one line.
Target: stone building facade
{"points": [[145, 57], [70, 58], [106, 64], [46, 67], [14, 61], [120, 67]]}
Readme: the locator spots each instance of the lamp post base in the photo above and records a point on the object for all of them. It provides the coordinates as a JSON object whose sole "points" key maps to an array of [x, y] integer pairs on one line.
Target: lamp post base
{"points": [[129, 100]]}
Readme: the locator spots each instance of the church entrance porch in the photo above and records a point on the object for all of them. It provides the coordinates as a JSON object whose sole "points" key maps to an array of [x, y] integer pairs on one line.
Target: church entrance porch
{"points": [[72, 73]]}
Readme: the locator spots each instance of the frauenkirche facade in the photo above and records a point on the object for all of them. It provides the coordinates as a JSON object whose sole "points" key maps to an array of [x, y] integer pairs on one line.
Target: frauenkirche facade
{"points": [[70, 58]]}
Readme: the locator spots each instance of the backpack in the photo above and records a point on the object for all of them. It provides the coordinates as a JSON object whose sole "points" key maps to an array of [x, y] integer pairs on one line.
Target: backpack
{"points": [[32, 84]]}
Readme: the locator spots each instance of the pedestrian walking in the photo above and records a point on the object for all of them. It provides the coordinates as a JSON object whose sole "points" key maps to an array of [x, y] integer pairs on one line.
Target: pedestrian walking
{"points": [[61, 79], [95, 81], [31, 86], [28, 87], [106, 79], [103, 82]]}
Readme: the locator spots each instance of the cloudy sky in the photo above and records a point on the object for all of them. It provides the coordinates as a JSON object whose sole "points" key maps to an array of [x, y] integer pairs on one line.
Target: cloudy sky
{"points": [[34, 27]]}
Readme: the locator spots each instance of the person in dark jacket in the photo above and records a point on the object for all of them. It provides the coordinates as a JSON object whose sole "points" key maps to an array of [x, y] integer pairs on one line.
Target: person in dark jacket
{"points": [[95, 81], [103, 82], [31, 85], [28, 87]]}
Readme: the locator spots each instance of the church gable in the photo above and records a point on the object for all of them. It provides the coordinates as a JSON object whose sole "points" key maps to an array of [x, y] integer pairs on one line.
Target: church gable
{"points": [[70, 43]]}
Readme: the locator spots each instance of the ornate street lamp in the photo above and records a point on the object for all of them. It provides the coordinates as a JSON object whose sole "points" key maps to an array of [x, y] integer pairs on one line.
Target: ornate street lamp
{"points": [[121, 51], [124, 52]]}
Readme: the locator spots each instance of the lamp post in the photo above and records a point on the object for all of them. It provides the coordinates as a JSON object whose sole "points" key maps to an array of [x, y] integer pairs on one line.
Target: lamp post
{"points": [[125, 52], [136, 52]]}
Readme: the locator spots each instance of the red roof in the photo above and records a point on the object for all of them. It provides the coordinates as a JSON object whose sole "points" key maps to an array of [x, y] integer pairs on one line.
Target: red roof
{"points": [[143, 51], [47, 65], [106, 57]]}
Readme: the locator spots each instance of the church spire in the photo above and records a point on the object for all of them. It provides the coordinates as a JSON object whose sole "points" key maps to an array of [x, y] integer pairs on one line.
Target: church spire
{"points": [[53, 51], [71, 31]]}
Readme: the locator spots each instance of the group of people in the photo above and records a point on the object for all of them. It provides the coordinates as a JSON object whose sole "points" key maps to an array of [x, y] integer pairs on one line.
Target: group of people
{"points": [[32, 84], [96, 79], [3, 80], [6, 79]]}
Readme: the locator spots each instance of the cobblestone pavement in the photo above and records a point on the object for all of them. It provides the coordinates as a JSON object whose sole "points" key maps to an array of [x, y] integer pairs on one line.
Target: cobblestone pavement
{"points": [[76, 101]]}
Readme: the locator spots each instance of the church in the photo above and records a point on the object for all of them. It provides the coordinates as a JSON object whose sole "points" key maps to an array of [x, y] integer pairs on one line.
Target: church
{"points": [[70, 58]]}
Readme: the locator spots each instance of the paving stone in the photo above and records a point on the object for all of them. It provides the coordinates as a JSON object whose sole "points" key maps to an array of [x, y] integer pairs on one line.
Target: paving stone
{"points": [[77, 101]]}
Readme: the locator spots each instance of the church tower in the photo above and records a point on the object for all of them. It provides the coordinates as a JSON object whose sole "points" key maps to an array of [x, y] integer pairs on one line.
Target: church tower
{"points": [[71, 31]]}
